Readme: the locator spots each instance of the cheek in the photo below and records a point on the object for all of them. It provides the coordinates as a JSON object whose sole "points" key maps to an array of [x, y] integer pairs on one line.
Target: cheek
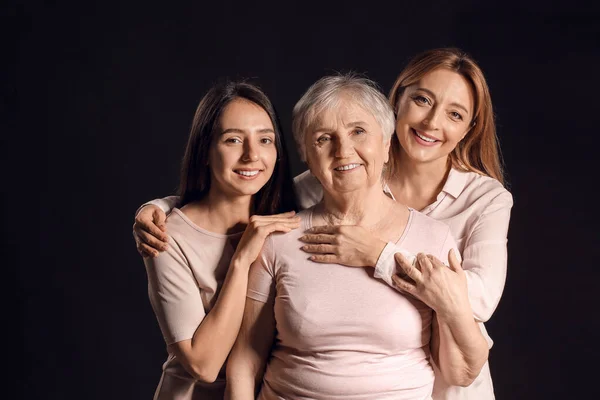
{"points": [[455, 134], [271, 157]]}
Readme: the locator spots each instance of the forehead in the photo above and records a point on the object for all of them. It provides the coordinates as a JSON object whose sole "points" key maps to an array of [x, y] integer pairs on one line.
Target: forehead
{"points": [[447, 85], [240, 113], [345, 110]]}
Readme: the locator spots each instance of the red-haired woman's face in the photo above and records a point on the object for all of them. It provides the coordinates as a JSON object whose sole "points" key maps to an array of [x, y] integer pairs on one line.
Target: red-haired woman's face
{"points": [[243, 155], [433, 115]]}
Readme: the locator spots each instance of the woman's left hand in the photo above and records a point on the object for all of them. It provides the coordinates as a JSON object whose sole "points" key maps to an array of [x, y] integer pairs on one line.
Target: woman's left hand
{"points": [[349, 245], [443, 289]]}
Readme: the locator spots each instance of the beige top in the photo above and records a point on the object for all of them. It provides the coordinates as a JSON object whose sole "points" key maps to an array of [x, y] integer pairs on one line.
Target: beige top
{"points": [[183, 285], [340, 334]]}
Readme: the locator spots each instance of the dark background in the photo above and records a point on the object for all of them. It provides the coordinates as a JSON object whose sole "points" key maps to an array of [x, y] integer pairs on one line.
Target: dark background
{"points": [[97, 100]]}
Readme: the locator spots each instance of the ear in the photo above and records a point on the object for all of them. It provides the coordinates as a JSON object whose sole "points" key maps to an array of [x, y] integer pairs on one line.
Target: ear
{"points": [[386, 145]]}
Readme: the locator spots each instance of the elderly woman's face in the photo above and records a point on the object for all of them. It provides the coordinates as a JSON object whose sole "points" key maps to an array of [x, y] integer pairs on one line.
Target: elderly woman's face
{"points": [[345, 149]]}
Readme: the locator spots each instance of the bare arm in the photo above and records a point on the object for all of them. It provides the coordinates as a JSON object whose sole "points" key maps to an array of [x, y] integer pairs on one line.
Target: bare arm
{"points": [[248, 359], [458, 347], [205, 353]]}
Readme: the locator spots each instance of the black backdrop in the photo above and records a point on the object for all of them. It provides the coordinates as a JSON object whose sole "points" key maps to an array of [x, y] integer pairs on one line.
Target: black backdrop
{"points": [[97, 102]]}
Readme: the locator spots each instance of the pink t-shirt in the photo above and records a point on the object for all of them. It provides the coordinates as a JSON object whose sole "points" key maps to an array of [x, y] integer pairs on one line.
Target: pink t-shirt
{"points": [[477, 210], [183, 285], [341, 334]]}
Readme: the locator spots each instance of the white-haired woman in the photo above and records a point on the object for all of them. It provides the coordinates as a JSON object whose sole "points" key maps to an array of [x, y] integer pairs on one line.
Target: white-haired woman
{"points": [[331, 332]]}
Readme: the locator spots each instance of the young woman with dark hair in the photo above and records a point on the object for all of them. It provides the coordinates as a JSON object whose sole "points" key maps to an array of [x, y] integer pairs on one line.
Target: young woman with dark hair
{"points": [[236, 189]]}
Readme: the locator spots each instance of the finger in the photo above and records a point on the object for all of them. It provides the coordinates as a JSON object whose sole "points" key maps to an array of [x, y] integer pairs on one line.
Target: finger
{"points": [[325, 258], [318, 238], [159, 217], [257, 223], [143, 248], [322, 229], [278, 227], [286, 215], [424, 263], [144, 225], [151, 241], [407, 268], [319, 248], [403, 284], [435, 262], [455, 265]]}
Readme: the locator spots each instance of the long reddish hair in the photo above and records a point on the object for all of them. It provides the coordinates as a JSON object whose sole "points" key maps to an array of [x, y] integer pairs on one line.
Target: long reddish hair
{"points": [[479, 151]]}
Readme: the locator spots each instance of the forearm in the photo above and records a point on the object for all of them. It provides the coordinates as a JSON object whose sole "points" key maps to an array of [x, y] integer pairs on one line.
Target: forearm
{"points": [[248, 359], [166, 204], [485, 285], [216, 335], [462, 349]]}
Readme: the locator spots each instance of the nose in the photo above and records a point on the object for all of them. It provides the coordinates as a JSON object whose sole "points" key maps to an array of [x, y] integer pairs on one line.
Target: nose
{"points": [[250, 151], [432, 118], [344, 148]]}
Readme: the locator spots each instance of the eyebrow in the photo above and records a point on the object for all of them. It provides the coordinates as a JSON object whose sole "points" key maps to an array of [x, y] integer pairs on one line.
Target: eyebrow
{"points": [[237, 130], [349, 125], [457, 105]]}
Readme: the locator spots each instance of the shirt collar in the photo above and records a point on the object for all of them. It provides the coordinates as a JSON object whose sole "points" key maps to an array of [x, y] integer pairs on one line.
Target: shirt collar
{"points": [[455, 183]]}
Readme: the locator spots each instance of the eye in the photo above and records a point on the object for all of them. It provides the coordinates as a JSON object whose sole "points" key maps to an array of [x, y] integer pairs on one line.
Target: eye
{"points": [[266, 140], [233, 140], [421, 100], [456, 115], [359, 131], [323, 139]]}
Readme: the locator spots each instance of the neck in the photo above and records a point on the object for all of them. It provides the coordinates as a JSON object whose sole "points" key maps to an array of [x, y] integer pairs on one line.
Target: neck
{"points": [[361, 207], [415, 180], [226, 213]]}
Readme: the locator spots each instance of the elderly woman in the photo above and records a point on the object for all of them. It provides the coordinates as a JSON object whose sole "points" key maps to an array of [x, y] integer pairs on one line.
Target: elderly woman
{"points": [[338, 332]]}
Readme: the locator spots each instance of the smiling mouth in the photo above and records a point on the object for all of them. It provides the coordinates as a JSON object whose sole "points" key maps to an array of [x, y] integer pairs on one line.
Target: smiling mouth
{"points": [[423, 137], [247, 172], [347, 167]]}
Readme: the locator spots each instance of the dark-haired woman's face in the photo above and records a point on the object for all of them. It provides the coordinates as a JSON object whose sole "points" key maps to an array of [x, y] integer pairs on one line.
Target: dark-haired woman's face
{"points": [[434, 114], [243, 154]]}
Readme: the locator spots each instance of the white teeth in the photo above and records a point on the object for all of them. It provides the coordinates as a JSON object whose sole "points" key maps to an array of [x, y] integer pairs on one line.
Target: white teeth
{"points": [[247, 173], [347, 167], [424, 138]]}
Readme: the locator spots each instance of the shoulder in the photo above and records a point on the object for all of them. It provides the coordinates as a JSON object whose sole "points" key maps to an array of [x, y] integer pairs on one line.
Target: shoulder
{"points": [[484, 189]]}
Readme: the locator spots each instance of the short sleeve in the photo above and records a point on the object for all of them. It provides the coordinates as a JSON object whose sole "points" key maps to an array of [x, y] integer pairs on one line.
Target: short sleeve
{"points": [[386, 263], [174, 294], [261, 277], [449, 243]]}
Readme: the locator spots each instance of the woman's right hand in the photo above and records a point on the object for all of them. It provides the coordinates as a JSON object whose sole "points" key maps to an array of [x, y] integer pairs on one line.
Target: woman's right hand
{"points": [[149, 231], [259, 227]]}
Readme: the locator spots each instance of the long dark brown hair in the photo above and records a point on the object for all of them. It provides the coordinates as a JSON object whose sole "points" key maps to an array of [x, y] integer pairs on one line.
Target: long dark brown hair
{"points": [[277, 195]]}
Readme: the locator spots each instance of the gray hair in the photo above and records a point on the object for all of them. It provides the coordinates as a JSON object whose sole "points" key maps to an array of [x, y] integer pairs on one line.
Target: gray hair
{"points": [[326, 93]]}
